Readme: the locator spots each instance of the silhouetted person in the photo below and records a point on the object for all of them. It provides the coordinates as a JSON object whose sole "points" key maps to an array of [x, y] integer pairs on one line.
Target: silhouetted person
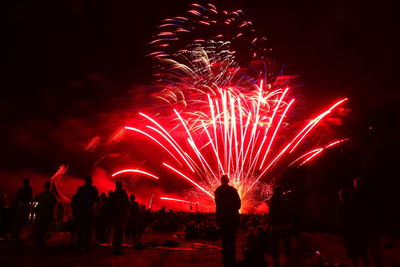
{"points": [[99, 219], [60, 212], [83, 203], [120, 206], [347, 224], [145, 218], [44, 213], [73, 220], [282, 225], [22, 207], [106, 214], [25, 194], [228, 203], [366, 216], [134, 225], [253, 253], [3, 218]]}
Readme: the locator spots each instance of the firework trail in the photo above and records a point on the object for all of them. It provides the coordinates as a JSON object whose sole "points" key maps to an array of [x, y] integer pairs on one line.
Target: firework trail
{"points": [[175, 199], [234, 135], [218, 118], [55, 182], [135, 171]]}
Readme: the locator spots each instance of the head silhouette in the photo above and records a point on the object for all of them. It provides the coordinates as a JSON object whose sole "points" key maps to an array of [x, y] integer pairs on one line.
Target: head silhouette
{"points": [[224, 179], [118, 185], [47, 186], [132, 197], [26, 181], [344, 195], [88, 180], [277, 191], [359, 184]]}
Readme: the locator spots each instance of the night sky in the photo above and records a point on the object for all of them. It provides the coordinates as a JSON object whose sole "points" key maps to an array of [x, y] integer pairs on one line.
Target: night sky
{"points": [[70, 65]]}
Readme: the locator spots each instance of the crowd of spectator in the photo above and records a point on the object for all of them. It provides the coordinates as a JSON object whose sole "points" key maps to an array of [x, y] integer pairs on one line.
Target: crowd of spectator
{"points": [[116, 218]]}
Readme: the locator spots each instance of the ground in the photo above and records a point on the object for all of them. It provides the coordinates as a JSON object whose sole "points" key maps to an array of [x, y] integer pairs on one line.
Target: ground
{"points": [[58, 252]]}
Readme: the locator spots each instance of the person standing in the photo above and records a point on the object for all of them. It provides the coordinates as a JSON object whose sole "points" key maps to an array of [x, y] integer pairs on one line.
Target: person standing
{"points": [[106, 215], [22, 207], [133, 227], [367, 217], [83, 204], [281, 219], [44, 213], [228, 203], [99, 219], [346, 224], [3, 220], [120, 206]]}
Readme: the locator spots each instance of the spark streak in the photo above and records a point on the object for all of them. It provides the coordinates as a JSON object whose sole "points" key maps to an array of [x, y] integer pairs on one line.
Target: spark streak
{"points": [[234, 133], [175, 199], [187, 178], [135, 171]]}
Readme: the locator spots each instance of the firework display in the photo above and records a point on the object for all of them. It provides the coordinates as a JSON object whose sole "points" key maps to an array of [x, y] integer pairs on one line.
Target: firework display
{"points": [[218, 116], [205, 49]]}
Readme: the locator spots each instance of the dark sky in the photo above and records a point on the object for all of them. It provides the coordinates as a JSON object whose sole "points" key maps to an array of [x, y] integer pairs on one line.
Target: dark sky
{"points": [[68, 64]]}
